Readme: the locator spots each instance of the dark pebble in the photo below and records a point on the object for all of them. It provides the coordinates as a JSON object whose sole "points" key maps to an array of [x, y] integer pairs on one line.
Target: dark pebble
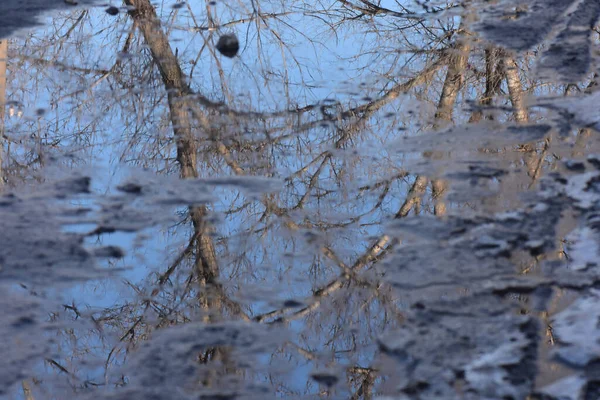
{"points": [[112, 10], [228, 45]]}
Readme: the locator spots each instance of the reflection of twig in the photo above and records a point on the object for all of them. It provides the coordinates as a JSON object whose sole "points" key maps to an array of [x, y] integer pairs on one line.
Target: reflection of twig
{"points": [[380, 247], [57, 64], [131, 331], [372, 254], [240, 21], [73, 308], [187, 251], [77, 22], [57, 365], [309, 355], [372, 9], [550, 334], [540, 162]]}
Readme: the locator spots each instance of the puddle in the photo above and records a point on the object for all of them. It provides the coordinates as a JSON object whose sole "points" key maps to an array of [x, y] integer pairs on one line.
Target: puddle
{"points": [[352, 199]]}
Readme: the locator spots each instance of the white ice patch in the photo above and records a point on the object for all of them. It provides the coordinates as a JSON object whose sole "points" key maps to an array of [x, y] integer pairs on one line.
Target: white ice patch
{"points": [[583, 250], [487, 373], [576, 329], [471, 137], [569, 388], [577, 189], [584, 109]]}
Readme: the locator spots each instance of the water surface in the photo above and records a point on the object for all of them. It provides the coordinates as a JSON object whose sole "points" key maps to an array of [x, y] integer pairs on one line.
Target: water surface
{"points": [[357, 200]]}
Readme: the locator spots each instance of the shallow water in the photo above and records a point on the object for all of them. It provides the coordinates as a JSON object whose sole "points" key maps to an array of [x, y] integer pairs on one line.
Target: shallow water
{"points": [[359, 200]]}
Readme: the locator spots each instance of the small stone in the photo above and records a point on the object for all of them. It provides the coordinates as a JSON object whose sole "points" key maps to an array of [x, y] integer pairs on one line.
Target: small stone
{"points": [[74, 185], [594, 159], [132, 188], [292, 303], [535, 247], [112, 10], [109, 252], [228, 45], [325, 378], [573, 165]]}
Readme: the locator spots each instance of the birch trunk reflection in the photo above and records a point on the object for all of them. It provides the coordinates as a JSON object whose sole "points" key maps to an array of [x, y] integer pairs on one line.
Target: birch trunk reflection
{"points": [[186, 137], [453, 83], [178, 91]]}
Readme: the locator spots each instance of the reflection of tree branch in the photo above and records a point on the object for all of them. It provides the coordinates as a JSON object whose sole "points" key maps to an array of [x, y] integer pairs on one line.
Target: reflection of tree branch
{"points": [[367, 374], [57, 64], [438, 189], [372, 9], [75, 24], [244, 21], [312, 183], [373, 253], [537, 166], [186, 252], [422, 77], [379, 248], [206, 266], [56, 364], [363, 112]]}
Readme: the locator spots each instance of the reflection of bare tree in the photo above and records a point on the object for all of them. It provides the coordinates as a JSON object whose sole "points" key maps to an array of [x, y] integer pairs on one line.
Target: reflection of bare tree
{"points": [[206, 268], [186, 155], [326, 226], [177, 91]]}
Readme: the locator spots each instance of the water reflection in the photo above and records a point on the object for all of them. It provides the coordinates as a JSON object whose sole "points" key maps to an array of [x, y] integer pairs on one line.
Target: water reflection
{"points": [[336, 211]]}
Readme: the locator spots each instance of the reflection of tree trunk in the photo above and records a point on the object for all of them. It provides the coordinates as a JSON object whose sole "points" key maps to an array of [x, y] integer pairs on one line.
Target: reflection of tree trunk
{"points": [[455, 76], [438, 190], [413, 199], [27, 392], [457, 64], [220, 356], [3, 62], [515, 89], [493, 79], [207, 268], [211, 297], [515, 94], [365, 389]]}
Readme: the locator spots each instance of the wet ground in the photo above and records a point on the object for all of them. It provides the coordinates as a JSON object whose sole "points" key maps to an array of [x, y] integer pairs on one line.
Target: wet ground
{"points": [[256, 199]]}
